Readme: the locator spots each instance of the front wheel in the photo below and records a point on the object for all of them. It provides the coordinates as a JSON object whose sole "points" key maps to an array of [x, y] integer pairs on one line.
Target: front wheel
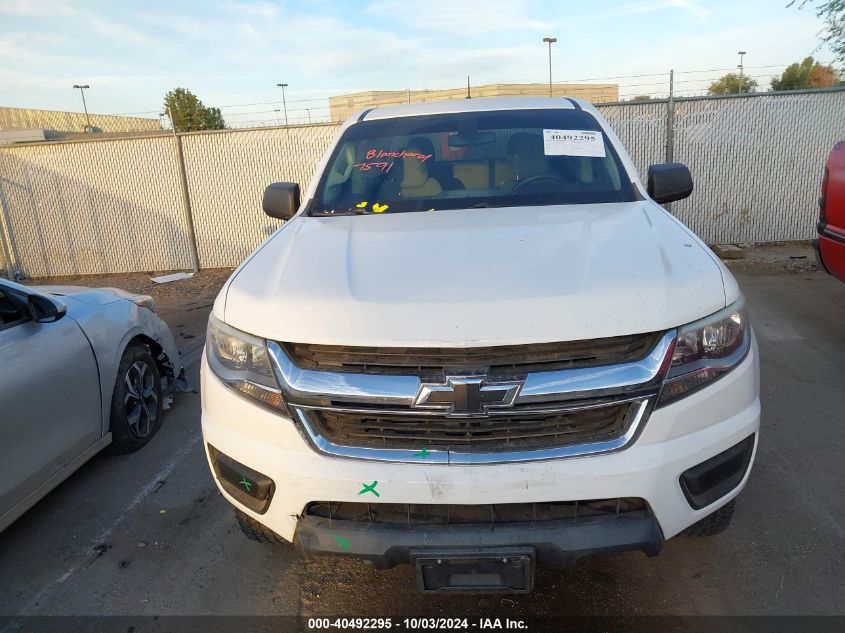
{"points": [[136, 407], [256, 531]]}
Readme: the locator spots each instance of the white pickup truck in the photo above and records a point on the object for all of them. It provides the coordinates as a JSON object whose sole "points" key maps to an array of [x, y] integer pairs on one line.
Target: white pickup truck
{"points": [[478, 344]]}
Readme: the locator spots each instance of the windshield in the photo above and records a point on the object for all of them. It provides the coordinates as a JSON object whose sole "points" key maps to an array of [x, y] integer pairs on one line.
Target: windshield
{"points": [[471, 160]]}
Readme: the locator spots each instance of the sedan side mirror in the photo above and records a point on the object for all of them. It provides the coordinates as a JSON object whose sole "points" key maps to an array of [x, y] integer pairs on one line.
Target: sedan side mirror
{"points": [[281, 200], [44, 310], [668, 182]]}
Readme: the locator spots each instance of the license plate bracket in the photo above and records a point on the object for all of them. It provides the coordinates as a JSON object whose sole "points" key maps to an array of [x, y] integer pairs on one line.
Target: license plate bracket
{"points": [[499, 569]]}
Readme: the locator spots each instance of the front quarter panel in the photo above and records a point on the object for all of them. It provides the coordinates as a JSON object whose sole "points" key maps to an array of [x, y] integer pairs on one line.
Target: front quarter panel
{"points": [[109, 329]]}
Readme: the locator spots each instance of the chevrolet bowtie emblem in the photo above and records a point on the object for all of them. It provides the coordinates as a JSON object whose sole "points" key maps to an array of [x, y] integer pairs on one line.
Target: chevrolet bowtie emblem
{"points": [[467, 395]]}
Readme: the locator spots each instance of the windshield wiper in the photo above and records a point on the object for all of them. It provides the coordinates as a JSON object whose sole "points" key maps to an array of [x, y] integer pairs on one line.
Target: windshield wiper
{"points": [[332, 212], [487, 205]]}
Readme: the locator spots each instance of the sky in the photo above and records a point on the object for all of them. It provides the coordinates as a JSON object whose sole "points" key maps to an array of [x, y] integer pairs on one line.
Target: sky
{"points": [[233, 53]]}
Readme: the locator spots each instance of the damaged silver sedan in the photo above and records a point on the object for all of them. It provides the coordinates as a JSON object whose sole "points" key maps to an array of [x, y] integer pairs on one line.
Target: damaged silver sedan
{"points": [[81, 370]]}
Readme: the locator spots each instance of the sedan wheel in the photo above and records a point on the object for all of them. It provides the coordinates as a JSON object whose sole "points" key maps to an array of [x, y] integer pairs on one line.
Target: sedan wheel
{"points": [[141, 400], [136, 410]]}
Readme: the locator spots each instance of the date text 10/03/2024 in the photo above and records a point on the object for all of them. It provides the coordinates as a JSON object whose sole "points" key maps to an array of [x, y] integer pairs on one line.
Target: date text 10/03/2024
{"points": [[415, 624]]}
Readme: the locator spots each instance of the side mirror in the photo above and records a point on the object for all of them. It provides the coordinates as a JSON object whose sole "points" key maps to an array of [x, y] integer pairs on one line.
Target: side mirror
{"points": [[44, 310], [668, 182], [281, 200]]}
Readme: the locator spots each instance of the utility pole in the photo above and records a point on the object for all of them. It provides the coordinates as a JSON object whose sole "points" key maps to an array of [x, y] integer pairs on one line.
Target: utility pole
{"points": [[741, 55], [469, 96], [82, 89], [278, 120], [550, 41], [284, 104], [308, 110]]}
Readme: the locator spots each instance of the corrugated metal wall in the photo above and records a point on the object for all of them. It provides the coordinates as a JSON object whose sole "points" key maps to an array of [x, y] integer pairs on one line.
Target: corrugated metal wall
{"points": [[116, 206], [74, 121]]}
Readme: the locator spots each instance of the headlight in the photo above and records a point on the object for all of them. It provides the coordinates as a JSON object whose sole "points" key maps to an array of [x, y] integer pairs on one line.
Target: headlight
{"points": [[240, 360], [706, 350]]}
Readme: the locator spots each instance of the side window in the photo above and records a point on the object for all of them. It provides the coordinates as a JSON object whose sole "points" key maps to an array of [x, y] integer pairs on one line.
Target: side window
{"points": [[11, 310]]}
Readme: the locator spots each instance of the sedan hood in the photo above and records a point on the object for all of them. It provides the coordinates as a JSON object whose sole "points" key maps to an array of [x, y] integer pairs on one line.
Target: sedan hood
{"points": [[476, 277], [93, 296]]}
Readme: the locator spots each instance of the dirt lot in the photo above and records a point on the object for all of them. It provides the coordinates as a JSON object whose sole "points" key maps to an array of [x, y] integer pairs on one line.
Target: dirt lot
{"points": [[149, 534]]}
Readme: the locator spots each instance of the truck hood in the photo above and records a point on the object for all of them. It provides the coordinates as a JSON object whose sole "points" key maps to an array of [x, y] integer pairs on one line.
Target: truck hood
{"points": [[476, 277]]}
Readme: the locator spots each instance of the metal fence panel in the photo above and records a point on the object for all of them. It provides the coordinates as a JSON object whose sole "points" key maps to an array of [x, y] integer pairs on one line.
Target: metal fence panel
{"points": [[757, 164], [115, 206], [641, 126], [93, 207], [227, 174]]}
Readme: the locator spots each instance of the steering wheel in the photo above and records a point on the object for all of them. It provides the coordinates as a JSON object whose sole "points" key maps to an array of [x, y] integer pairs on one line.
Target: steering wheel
{"points": [[550, 179]]}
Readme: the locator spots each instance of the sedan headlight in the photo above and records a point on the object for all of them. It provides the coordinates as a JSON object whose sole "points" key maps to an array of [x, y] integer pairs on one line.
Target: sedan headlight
{"points": [[706, 350], [240, 360]]}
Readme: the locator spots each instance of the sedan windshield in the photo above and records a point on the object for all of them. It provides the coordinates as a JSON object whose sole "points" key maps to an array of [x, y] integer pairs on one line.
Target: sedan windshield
{"points": [[471, 160]]}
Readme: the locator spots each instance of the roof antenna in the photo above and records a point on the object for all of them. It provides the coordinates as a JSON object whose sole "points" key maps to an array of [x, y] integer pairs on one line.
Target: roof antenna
{"points": [[469, 96]]}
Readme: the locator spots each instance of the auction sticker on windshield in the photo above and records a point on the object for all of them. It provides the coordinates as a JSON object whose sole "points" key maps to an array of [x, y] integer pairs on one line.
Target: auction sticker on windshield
{"points": [[573, 143]]}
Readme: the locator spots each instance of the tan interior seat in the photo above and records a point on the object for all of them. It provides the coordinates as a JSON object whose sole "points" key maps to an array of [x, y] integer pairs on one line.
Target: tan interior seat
{"points": [[416, 182]]}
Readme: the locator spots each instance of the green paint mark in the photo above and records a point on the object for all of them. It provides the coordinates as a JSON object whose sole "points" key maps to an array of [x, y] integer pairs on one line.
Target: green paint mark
{"points": [[423, 453], [369, 488], [342, 542], [246, 483]]}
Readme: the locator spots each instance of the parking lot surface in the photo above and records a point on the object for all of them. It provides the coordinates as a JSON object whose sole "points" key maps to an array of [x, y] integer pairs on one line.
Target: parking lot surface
{"points": [[148, 533]]}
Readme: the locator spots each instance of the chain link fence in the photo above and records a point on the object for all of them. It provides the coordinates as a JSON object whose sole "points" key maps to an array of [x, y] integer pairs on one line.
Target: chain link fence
{"points": [[117, 205]]}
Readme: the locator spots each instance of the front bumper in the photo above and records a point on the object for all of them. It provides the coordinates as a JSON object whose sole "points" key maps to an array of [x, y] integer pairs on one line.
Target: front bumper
{"points": [[556, 542], [675, 438]]}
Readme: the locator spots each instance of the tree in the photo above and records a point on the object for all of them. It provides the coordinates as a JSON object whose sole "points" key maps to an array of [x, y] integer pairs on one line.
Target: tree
{"points": [[188, 113], [823, 76], [833, 12], [729, 85], [807, 74]]}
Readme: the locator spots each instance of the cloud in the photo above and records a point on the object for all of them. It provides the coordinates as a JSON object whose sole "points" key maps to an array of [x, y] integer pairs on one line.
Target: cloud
{"points": [[459, 17], [39, 8], [188, 26], [650, 6], [118, 31]]}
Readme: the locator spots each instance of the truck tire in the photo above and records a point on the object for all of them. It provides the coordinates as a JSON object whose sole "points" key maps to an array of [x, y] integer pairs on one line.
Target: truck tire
{"points": [[255, 531], [713, 524], [136, 404]]}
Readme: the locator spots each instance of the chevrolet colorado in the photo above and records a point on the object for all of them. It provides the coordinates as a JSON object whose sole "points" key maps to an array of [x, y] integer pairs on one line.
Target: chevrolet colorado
{"points": [[479, 343]]}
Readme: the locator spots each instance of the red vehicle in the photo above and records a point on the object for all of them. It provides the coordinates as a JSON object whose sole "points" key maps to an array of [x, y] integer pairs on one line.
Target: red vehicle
{"points": [[830, 247]]}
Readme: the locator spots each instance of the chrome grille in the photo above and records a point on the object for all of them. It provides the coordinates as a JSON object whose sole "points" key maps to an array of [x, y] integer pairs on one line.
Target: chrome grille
{"points": [[498, 360], [506, 411], [513, 431]]}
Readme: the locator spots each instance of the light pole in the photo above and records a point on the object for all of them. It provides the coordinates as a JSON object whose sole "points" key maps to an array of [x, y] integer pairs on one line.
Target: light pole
{"points": [[284, 105], [741, 55], [278, 121], [82, 89], [308, 110], [550, 41]]}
